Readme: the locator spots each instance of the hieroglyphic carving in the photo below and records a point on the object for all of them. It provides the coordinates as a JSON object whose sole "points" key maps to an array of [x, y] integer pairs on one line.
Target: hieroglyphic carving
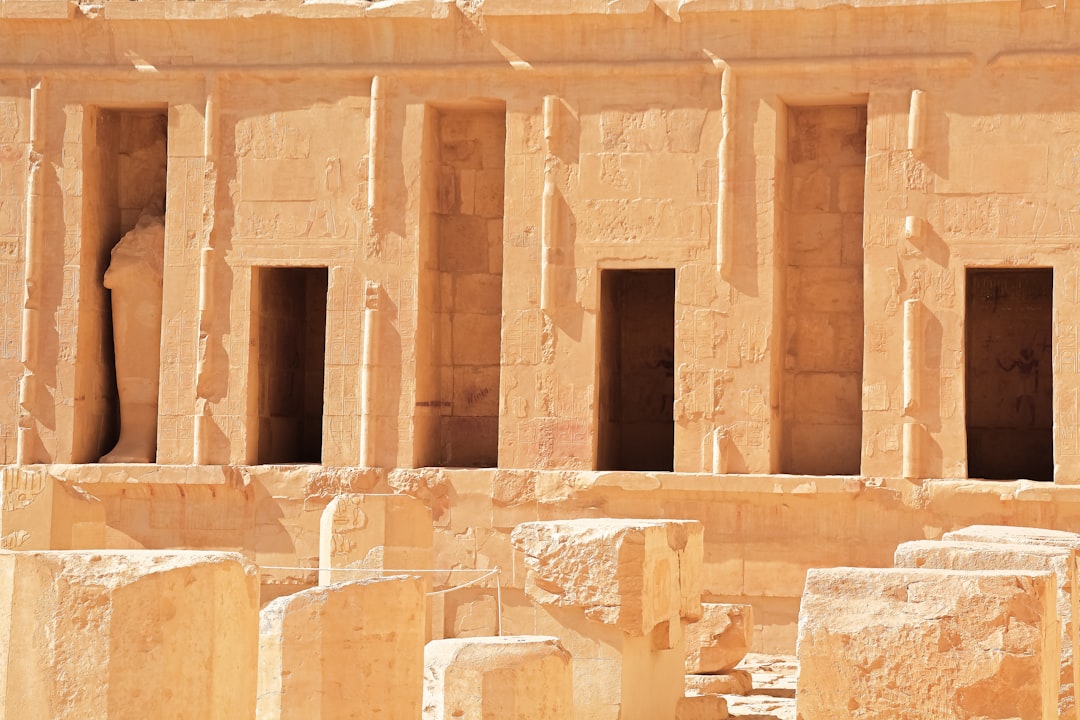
{"points": [[21, 486]]}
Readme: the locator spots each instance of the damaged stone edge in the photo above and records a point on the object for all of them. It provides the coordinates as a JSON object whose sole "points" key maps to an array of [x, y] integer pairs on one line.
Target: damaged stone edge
{"points": [[438, 9]]}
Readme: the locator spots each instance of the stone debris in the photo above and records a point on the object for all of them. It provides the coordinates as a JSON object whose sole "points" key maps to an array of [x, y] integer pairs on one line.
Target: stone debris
{"points": [[733, 682], [701, 707], [720, 639]]}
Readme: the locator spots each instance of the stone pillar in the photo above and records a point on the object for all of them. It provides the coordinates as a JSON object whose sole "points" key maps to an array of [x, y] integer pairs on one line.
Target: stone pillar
{"points": [[523, 677], [125, 635], [353, 650], [927, 645], [616, 593]]}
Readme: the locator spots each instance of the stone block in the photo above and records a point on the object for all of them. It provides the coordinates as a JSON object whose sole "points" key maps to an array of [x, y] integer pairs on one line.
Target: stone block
{"points": [[376, 532], [928, 644], [958, 555], [127, 634], [736, 682], [720, 639], [525, 677], [351, 650], [41, 512], [1015, 535], [615, 593], [632, 574], [701, 707]]}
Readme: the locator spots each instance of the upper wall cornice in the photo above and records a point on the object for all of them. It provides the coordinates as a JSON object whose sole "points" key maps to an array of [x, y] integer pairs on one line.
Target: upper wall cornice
{"points": [[435, 9]]}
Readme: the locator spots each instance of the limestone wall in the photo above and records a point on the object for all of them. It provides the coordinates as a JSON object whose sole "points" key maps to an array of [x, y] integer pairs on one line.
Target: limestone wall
{"points": [[482, 185], [633, 135]]}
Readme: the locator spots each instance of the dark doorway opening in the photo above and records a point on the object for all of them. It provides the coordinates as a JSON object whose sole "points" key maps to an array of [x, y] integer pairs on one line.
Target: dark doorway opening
{"points": [[290, 329], [1009, 374], [637, 370]]}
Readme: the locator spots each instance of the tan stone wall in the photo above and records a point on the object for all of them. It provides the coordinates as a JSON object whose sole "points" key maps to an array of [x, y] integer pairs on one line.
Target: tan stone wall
{"points": [[615, 157], [638, 135]]}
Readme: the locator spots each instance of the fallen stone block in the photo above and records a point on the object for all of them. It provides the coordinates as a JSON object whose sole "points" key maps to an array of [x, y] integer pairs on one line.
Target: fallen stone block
{"points": [[928, 645], [701, 707], [720, 639], [352, 650], [957, 555], [632, 574], [126, 635], [733, 682], [524, 677], [373, 532]]}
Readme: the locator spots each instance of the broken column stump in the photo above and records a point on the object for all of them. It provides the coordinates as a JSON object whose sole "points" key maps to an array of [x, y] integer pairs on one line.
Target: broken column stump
{"points": [[616, 593], [126, 635], [522, 677], [928, 645], [353, 651]]}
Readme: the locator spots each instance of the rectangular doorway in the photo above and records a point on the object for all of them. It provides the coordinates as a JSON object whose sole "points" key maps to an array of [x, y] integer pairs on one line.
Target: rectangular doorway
{"points": [[1009, 374], [289, 325], [636, 428]]}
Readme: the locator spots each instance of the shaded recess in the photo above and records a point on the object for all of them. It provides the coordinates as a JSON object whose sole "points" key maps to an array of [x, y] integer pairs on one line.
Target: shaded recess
{"points": [[460, 318], [124, 173], [823, 285], [289, 343], [636, 375], [1009, 378]]}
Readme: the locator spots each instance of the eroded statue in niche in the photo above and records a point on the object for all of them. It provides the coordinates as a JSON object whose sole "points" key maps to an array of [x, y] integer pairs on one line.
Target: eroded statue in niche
{"points": [[134, 277]]}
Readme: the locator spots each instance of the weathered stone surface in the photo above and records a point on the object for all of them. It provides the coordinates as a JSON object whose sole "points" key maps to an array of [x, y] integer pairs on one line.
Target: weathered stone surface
{"points": [[127, 635], [616, 592], [351, 650], [1014, 535], [633, 574], [928, 645], [958, 555], [701, 707], [720, 639], [373, 532], [511, 678], [733, 682]]}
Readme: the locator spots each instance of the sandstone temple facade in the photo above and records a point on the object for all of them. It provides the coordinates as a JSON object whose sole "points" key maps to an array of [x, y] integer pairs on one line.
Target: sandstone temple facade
{"points": [[806, 272]]}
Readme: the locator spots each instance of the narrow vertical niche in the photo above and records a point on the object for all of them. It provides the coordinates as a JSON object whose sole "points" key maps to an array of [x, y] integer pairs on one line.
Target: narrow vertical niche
{"points": [[289, 324], [636, 426], [1009, 374], [458, 388], [124, 181], [821, 428]]}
